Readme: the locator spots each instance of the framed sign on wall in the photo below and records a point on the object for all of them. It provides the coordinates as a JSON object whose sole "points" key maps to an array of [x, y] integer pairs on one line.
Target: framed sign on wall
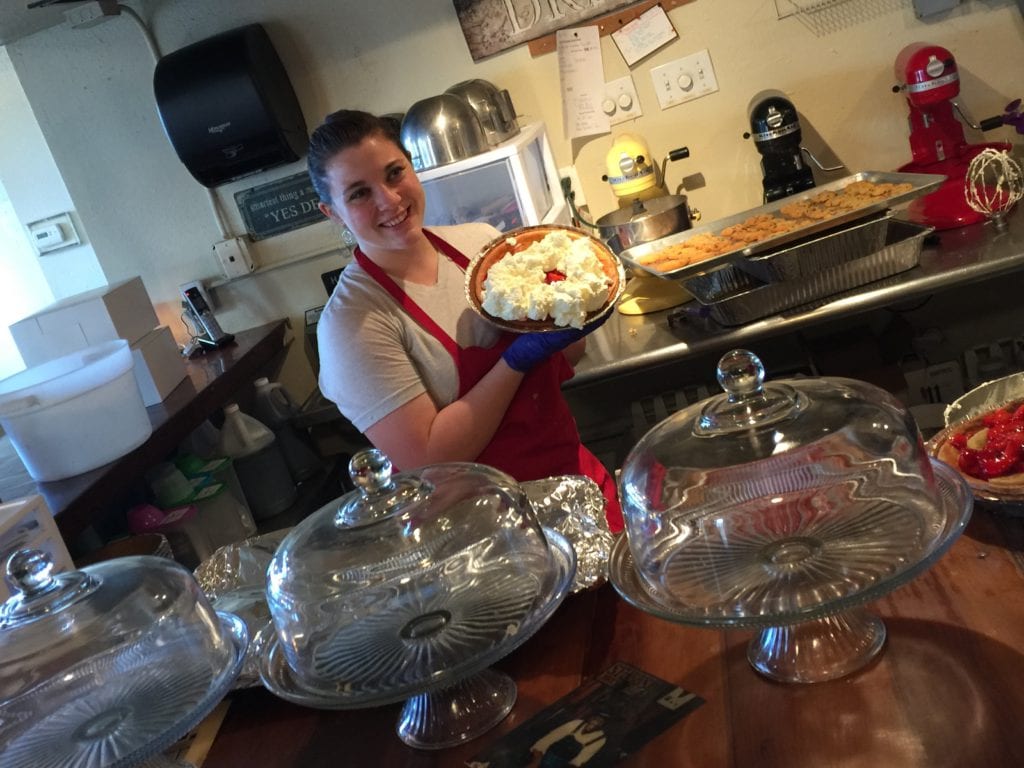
{"points": [[278, 207], [492, 26]]}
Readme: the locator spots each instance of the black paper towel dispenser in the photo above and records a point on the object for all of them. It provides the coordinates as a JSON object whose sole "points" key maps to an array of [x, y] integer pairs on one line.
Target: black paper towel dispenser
{"points": [[228, 106]]}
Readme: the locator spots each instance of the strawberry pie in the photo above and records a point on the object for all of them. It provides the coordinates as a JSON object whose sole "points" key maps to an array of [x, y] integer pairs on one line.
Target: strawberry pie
{"points": [[989, 448]]}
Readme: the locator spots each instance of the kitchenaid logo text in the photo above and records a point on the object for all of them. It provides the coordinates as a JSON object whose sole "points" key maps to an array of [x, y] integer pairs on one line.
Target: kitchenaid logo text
{"points": [[219, 128]]}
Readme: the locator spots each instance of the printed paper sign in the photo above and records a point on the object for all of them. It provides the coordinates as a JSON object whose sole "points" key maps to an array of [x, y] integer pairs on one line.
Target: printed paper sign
{"points": [[581, 73]]}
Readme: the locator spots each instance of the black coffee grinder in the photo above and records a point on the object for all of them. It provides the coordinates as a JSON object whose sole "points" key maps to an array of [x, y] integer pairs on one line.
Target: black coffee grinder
{"points": [[775, 128]]}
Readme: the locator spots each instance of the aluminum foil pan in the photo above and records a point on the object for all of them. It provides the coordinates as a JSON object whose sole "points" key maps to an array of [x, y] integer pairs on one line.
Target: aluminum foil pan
{"points": [[979, 401], [985, 397], [798, 262], [234, 577], [921, 184], [573, 505], [743, 305]]}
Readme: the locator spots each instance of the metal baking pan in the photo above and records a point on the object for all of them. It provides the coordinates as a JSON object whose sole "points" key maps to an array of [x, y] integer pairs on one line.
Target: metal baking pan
{"points": [[902, 252], [921, 184], [799, 261]]}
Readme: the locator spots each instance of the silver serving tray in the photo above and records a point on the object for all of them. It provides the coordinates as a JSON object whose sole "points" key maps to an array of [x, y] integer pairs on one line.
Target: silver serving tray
{"points": [[922, 183]]}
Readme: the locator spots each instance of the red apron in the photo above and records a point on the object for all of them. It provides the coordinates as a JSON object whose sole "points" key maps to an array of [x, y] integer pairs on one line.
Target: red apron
{"points": [[519, 447]]}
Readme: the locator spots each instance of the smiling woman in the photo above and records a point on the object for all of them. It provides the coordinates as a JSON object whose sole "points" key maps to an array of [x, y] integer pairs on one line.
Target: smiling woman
{"points": [[402, 353]]}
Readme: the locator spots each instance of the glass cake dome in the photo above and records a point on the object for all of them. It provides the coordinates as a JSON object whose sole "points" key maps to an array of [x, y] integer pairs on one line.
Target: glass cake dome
{"points": [[109, 665], [784, 506], [409, 587]]}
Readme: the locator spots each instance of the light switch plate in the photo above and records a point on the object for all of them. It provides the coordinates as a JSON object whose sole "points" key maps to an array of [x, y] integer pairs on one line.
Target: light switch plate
{"points": [[684, 79], [621, 102]]}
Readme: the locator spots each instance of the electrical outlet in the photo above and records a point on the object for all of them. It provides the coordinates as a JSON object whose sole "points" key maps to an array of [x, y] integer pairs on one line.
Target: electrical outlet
{"points": [[234, 257], [569, 172], [684, 79], [621, 102]]}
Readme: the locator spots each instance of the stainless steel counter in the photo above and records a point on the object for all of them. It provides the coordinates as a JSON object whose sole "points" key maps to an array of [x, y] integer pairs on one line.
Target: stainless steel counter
{"points": [[631, 344]]}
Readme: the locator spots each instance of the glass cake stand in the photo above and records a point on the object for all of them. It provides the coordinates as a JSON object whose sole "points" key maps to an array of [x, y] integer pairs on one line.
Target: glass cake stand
{"points": [[122, 708], [429, 641], [801, 578]]}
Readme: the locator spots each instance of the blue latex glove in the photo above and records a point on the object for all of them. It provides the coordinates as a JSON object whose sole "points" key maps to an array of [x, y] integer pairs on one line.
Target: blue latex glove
{"points": [[530, 349]]}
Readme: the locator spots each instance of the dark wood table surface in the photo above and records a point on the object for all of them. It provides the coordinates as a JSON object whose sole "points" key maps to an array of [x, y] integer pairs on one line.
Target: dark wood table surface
{"points": [[212, 379], [946, 691]]}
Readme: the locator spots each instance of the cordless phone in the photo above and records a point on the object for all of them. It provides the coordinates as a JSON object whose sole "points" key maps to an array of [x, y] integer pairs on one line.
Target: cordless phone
{"points": [[212, 334]]}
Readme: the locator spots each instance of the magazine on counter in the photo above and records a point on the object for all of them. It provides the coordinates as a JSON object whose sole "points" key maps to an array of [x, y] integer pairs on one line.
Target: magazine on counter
{"points": [[607, 718]]}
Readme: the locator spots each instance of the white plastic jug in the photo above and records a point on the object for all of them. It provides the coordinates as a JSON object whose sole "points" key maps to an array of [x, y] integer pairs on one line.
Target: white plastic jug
{"points": [[259, 463], [276, 408], [273, 405]]}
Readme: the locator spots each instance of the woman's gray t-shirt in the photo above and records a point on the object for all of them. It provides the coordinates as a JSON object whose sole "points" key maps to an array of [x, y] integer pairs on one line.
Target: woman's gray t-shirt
{"points": [[374, 358]]}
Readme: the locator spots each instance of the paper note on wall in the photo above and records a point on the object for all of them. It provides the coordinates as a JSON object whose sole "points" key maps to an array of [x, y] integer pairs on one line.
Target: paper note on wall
{"points": [[644, 35], [582, 78]]}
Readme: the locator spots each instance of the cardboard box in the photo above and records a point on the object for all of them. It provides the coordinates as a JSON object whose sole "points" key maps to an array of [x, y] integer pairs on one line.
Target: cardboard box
{"points": [[28, 524], [119, 311], [159, 366]]}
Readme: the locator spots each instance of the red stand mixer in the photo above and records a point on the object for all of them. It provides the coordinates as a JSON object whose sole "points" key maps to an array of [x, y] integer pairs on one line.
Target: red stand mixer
{"points": [[928, 76]]}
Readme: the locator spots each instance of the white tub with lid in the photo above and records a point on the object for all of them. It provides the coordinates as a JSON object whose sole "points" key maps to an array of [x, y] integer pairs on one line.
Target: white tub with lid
{"points": [[75, 413]]}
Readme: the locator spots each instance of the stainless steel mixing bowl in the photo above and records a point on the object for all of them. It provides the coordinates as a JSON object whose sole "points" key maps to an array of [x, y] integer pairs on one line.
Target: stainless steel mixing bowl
{"points": [[493, 109], [441, 129]]}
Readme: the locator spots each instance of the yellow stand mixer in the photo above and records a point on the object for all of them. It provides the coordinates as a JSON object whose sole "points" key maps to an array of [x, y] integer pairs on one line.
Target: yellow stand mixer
{"points": [[646, 212]]}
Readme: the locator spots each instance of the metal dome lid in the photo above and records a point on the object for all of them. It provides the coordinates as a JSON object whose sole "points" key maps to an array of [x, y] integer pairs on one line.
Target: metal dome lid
{"points": [[86, 652], [826, 443], [399, 561]]}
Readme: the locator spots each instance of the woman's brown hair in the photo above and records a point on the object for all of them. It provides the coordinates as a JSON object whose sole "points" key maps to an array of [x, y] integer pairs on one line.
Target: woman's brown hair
{"points": [[341, 130]]}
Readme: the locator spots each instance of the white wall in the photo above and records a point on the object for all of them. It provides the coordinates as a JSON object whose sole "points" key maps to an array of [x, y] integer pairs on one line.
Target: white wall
{"points": [[92, 94], [31, 189], [36, 189]]}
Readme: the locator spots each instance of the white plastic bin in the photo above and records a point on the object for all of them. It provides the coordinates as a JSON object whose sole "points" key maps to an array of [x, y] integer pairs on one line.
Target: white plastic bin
{"points": [[75, 413]]}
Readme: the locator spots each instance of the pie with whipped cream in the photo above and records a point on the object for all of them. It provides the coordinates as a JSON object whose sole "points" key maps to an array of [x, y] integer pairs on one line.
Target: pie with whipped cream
{"points": [[544, 277]]}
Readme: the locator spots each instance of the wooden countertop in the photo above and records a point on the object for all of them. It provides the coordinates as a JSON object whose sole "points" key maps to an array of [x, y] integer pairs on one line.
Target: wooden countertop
{"points": [[212, 379], [947, 689]]}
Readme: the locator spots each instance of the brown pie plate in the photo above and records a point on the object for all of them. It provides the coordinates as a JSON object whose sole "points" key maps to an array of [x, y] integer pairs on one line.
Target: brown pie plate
{"points": [[524, 237]]}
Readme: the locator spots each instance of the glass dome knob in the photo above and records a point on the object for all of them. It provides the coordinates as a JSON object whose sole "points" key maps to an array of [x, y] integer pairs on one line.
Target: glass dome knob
{"points": [[379, 493], [741, 374], [370, 471], [36, 590], [30, 571], [747, 403]]}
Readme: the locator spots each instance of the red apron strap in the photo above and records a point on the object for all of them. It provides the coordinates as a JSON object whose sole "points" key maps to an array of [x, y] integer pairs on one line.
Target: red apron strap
{"points": [[448, 250], [406, 303]]}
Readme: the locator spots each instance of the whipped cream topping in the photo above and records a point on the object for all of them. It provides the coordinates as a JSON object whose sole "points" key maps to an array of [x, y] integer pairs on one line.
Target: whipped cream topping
{"points": [[517, 287]]}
